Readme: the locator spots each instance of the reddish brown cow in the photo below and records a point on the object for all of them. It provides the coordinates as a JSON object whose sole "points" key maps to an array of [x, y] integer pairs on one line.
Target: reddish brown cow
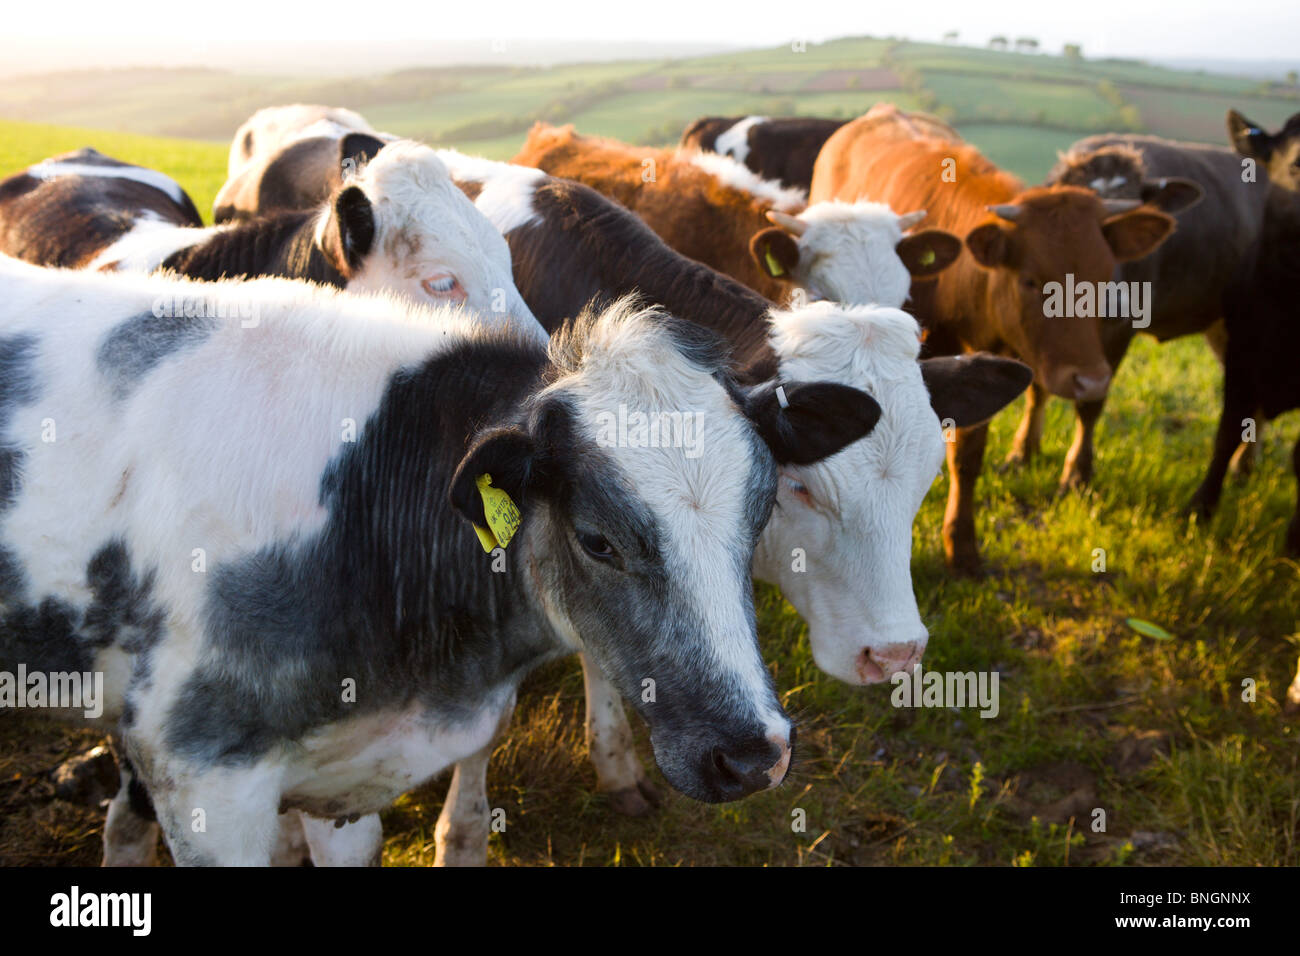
{"points": [[713, 210], [1020, 242]]}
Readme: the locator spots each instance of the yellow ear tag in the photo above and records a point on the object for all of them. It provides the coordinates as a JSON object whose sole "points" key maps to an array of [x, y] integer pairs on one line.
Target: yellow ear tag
{"points": [[773, 266], [927, 257], [502, 516]]}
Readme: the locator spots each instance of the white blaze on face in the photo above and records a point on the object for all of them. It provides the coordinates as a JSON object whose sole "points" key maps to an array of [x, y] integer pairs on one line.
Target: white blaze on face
{"points": [[431, 245], [850, 516], [698, 496], [848, 254]]}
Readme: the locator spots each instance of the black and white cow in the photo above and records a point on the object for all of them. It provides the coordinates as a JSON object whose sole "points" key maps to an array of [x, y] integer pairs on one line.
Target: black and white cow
{"points": [[269, 129], [399, 225], [269, 536], [850, 517], [66, 210], [783, 149]]}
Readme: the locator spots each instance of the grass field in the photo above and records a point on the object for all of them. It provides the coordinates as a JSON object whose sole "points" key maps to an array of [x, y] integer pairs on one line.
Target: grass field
{"points": [[1093, 714]]}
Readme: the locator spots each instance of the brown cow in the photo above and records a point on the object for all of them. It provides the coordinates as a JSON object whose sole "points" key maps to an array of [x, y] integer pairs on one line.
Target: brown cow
{"points": [[1026, 246], [714, 210]]}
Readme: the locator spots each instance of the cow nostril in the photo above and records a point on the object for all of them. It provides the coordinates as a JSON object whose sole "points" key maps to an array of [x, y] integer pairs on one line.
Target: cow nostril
{"points": [[1090, 386]]}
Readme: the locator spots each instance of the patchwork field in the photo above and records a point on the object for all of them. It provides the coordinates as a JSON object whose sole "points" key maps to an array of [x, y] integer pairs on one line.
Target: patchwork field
{"points": [[1010, 99], [1180, 739]]}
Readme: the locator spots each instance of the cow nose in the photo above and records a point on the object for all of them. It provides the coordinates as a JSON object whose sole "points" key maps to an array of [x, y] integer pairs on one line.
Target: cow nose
{"points": [[876, 664], [1090, 388], [741, 769]]}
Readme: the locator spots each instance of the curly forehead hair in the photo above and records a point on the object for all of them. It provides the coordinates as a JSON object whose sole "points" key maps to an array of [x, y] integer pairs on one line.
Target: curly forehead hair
{"points": [[1082, 167]]}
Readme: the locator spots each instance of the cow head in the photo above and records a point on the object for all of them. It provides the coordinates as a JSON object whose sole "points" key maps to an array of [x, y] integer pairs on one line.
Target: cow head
{"points": [[839, 543], [856, 253], [1119, 172], [1045, 241], [402, 225], [1279, 152], [644, 481]]}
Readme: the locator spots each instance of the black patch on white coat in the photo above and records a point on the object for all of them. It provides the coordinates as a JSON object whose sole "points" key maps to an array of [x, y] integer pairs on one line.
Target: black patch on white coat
{"points": [[282, 245], [17, 388], [133, 348]]}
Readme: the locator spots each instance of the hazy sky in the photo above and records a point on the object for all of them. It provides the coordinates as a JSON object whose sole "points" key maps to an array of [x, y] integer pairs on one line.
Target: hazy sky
{"points": [[76, 32]]}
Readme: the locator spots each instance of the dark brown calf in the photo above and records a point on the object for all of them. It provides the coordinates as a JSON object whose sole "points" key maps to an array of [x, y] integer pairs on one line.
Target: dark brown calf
{"points": [[1278, 152], [1194, 275], [1021, 242]]}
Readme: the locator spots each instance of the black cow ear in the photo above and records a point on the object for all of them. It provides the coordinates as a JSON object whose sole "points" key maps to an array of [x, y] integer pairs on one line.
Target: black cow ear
{"points": [[775, 251], [928, 252], [1172, 194], [968, 389], [357, 149], [505, 456], [1249, 139], [804, 422], [350, 232]]}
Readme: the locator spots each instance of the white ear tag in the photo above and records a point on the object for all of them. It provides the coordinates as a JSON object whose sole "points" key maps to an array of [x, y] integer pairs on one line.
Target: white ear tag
{"points": [[780, 397]]}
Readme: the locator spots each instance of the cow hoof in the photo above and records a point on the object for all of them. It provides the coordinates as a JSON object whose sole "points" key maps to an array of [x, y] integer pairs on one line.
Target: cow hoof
{"points": [[1018, 456], [1199, 507], [638, 801], [966, 565], [1073, 481]]}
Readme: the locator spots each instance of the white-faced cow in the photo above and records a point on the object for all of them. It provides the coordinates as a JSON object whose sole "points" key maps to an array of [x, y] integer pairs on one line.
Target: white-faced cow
{"points": [[571, 246], [399, 225], [713, 210], [300, 622]]}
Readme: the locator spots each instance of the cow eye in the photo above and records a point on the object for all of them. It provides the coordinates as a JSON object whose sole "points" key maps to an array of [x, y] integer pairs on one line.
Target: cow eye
{"points": [[444, 286], [1029, 284], [797, 488], [596, 545]]}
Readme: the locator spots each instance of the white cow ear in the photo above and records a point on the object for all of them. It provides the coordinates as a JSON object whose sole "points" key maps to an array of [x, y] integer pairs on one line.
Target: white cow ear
{"points": [[969, 389], [803, 423]]}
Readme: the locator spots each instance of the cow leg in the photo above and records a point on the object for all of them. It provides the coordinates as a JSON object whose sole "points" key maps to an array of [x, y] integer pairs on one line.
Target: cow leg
{"points": [[1243, 462], [965, 459], [1292, 704], [360, 843], [291, 847], [461, 836], [609, 742], [1293, 535], [1029, 435], [131, 829], [1238, 402], [1077, 472]]}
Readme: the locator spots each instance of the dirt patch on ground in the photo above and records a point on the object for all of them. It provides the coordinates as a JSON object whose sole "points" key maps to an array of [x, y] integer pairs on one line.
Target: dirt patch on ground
{"points": [[36, 827]]}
